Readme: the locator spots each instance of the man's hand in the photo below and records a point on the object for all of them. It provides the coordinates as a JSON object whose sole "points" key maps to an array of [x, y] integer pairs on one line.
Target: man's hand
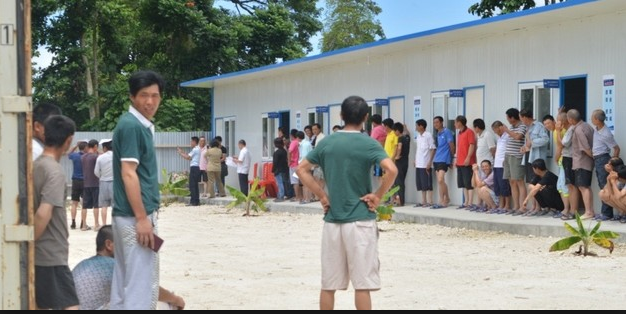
{"points": [[372, 201], [325, 203], [612, 176], [145, 237], [475, 167], [558, 126]]}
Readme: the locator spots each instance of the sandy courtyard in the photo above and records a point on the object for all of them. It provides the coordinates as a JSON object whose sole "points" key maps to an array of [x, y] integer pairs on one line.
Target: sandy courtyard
{"points": [[218, 260]]}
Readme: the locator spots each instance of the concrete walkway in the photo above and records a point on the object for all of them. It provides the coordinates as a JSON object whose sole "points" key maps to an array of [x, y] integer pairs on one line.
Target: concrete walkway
{"points": [[545, 226]]}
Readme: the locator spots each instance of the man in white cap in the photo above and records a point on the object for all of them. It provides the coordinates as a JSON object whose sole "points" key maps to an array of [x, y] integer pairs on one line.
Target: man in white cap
{"points": [[104, 171]]}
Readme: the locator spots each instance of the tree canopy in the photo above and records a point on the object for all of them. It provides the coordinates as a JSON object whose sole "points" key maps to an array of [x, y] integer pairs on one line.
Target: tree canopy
{"points": [[97, 44], [489, 8], [349, 23]]}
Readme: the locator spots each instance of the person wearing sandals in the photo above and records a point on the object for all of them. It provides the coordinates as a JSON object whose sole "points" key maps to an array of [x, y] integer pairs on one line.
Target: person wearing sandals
{"points": [[484, 183], [513, 169], [466, 157], [501, 186], [443, 160], [561, 154], [350, 233], [424, 155], [543, 190], [603, 143], [582, 156]]}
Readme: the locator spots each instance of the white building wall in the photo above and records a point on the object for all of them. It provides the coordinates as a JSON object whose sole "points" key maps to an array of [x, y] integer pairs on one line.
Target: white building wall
{"points": [[590, 46]]}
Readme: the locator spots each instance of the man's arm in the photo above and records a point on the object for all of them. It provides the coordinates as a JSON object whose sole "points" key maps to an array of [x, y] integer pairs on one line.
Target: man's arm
{"points": [[452, 152], [616, 151], [391, 171], [543, 139], [182, 154], [534, 189], [42, 218], [472, 150], [97, 170], [477, 182], [145, 237]]}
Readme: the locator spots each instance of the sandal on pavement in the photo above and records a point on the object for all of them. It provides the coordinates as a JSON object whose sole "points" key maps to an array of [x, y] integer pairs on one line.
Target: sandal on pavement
{"points": [[566, 217]]}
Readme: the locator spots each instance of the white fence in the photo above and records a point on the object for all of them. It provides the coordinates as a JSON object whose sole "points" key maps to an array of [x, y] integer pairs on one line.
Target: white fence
{"points": [[166, 144]]}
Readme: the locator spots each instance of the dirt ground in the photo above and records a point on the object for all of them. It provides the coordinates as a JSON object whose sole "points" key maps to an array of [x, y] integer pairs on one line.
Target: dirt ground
{"points": [[218, 260]]}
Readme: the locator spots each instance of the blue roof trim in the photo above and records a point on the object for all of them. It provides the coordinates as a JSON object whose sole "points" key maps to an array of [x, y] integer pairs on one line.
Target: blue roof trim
{"points": [[499, 18]]}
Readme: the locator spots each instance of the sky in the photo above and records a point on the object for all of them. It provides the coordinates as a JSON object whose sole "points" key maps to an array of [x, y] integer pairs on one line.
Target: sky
{"points": [[398, 18], [403, 17]]}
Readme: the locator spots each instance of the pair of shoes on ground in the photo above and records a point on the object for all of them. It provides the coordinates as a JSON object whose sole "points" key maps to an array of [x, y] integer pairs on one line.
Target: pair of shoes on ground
{"points": [[425, 205], [602, 218], [439, 206]]}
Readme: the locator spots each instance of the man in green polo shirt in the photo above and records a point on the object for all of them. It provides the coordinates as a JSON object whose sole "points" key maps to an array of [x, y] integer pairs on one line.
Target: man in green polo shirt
{"points": [[136, 193], [350, 236]]}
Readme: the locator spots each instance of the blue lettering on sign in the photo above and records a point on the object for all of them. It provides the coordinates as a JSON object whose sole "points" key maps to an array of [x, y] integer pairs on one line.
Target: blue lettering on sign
{"points": [[456, 93], [273, 115], [321, 109], [551, 84], [609, 83], [382, 102]]}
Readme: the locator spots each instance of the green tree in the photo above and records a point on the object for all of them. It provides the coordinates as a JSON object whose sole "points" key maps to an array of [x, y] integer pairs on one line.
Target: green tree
{"points": [[349, 23], [96, 44], [489, 8]]}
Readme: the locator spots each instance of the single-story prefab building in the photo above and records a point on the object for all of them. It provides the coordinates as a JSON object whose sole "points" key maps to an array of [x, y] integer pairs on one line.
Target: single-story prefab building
{"points": [[567, 55]]}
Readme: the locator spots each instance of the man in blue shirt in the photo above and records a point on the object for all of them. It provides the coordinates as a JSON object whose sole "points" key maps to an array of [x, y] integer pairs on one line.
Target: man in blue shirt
{"points": [[443, 160], [77, 179], [194, 170]]}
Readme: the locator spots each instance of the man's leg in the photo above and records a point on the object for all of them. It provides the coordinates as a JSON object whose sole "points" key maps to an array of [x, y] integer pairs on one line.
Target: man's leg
{"points": [[362, 300], [443, 188], [327, 300], [73, 210], [194, 180], [588, 201], [600, 162]]}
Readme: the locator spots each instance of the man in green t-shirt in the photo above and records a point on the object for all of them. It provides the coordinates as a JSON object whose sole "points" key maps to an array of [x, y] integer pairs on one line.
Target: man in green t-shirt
{"points": [[350, 236], [136, 198]]}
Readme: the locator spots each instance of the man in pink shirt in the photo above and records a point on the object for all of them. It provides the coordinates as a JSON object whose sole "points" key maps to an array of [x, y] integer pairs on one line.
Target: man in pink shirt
{"points": [[293, 156], [379, 133]]}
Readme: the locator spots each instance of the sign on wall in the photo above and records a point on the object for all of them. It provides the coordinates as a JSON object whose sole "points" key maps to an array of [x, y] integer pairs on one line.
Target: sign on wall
{"points": [[417, 108], [608, 95], [298, 120]]}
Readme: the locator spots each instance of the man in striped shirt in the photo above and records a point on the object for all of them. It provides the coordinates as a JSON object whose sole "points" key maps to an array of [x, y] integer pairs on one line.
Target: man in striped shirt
{"points": [[513, 169]]}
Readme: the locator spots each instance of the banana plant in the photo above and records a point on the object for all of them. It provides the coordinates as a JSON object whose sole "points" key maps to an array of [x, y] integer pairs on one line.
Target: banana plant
{"points": [[173, 186], [600, 238], [384, 211], [255, 199]]}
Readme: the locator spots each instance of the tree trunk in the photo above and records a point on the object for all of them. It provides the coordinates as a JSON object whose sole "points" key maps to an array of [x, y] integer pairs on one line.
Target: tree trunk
{"points": [[96, 87], [88, 80]]}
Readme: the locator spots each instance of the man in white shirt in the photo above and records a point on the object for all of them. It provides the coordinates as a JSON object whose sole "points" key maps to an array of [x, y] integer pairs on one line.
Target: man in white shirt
{"points": [[424, 155], [501, 186], [40, 114], [104, 171], [194, 170], [243, 166]]}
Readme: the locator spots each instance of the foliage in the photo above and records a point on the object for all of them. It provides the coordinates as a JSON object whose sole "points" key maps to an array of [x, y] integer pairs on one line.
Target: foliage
{"points": [[253, 201], [489, 8], [175, 186], [97, 44], [385, 210], [351, 23], [601, 238]]}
